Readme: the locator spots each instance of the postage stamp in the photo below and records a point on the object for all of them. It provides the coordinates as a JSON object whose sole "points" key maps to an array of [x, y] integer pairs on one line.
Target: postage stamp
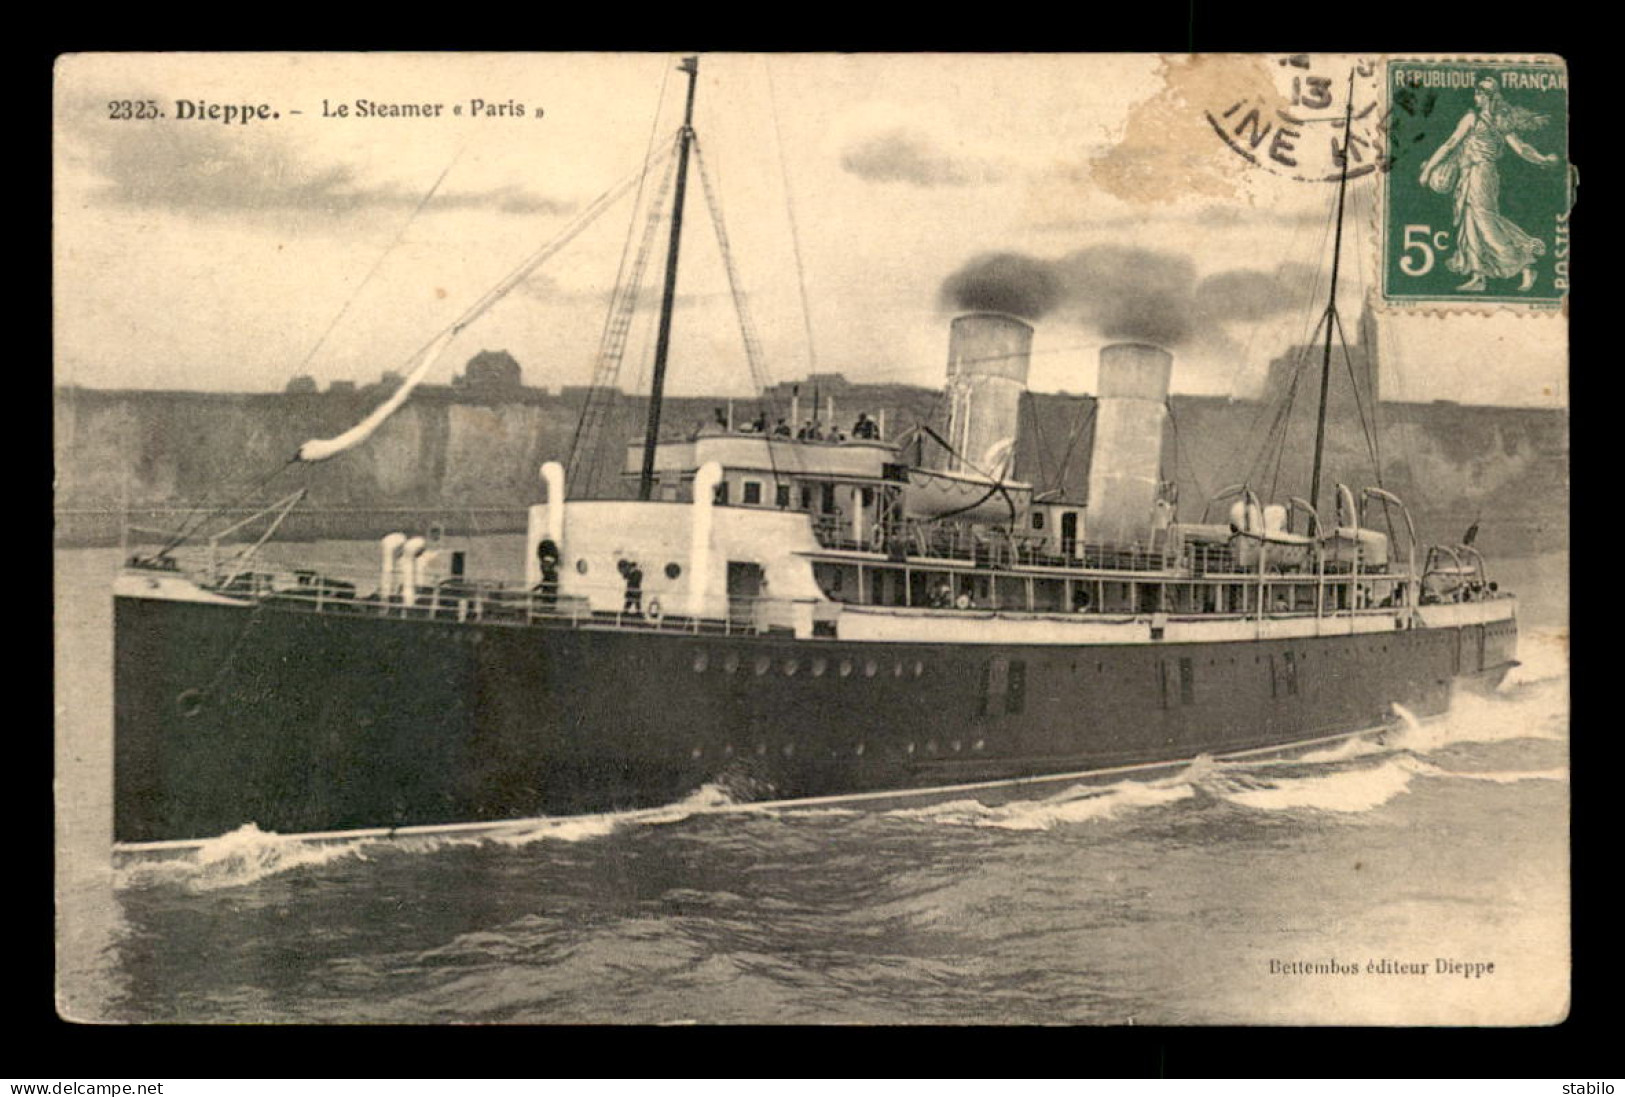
{"points": [[1479, 187]]}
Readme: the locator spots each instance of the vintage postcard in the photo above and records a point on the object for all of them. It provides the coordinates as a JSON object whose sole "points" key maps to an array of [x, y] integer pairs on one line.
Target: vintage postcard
{"points": [[812, 538]]}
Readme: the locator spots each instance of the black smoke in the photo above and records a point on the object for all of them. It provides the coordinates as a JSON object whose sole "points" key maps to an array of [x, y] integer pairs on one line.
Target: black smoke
{"points": [[1003, 281], [1125, 292]]}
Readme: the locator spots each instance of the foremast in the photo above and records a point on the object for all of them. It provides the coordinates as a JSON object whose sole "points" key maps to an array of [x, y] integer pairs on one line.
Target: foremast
{"points": [[685, 140]]}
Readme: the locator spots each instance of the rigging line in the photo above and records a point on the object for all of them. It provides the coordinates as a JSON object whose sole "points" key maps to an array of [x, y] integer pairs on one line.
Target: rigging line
{"points": [[601, 393], [790, 208], [1370, 372], [345, 307], [1373, 444], [186, 534], [1038, 436], [1082, 421], [528, 266], [1303, 348], [485, 302], [637, 205], [1367, 428], [1179, 451], [747, 329], [1279, 429], [383, 255]]}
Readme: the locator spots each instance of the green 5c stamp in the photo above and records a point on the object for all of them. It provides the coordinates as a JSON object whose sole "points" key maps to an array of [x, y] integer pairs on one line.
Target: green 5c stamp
{"points": [[1478, 196]]}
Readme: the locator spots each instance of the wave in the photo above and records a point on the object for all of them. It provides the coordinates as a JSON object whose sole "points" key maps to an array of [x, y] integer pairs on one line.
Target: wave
{"points": [[1078, 804], [249, 854], [1345, 791]]}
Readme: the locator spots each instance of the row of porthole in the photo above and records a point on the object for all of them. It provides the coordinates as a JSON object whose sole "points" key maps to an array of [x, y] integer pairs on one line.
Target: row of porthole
{"points": [[673, 569], [789, 749], [818, 666]]}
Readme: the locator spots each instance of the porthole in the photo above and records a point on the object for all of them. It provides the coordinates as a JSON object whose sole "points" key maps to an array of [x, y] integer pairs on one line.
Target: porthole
{"points": [[762, 663], [728, 751], [954, 746], [858, 750], [870, 667], [190, 702], [673, 570], [819, 665], [790, 668], [979, 744], [911, 748], [789, 749], [701, 661], [581, 565], [696, 752], [930, 746], [919, 668], [730, 662], [897, 670], [846, 668]]}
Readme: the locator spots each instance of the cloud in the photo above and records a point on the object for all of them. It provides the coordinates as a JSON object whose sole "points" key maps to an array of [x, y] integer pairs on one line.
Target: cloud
{"points": [[904, 155], [211, 170]]}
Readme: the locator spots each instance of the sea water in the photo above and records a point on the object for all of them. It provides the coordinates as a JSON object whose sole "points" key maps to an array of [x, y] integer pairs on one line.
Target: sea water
{"points": [[1417, 875]]}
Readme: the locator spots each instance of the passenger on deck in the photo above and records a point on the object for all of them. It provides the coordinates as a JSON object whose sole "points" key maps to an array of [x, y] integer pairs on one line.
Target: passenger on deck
{"points": [[547, 555], [634, 587], [781, 429], [835, 435], [964, 601], [721, 417], [758, 425], [865, 427], [942, 595]]}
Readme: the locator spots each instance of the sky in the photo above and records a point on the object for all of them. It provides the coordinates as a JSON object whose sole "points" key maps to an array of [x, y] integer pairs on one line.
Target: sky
{"points": [[196, 253]]}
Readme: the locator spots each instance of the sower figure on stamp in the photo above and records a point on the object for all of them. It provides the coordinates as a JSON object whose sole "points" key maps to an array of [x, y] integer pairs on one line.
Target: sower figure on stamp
{"points": [[1488, 245]]}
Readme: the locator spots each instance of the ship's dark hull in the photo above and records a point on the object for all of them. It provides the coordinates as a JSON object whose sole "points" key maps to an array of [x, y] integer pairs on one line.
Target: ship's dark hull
{"points": [[302, 722]]}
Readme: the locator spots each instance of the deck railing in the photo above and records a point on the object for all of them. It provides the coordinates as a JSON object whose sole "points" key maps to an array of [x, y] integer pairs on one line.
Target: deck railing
{"points": [[464, 601]]}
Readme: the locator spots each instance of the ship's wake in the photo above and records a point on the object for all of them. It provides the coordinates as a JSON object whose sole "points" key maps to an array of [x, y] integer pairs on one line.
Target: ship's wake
{"points": [[1354, 776]]}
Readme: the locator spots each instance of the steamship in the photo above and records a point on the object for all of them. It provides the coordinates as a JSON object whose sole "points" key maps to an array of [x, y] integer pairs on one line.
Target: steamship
{"points": [[790, 618]]}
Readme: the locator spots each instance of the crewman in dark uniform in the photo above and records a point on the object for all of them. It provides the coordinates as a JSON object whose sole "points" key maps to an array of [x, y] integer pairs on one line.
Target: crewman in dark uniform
{"points": [[634, 587]]}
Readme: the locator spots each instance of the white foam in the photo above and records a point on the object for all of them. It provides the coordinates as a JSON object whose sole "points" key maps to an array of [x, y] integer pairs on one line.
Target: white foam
{"points": [[238, 857], [1344, 791], [248, 853], [1079, 804]]}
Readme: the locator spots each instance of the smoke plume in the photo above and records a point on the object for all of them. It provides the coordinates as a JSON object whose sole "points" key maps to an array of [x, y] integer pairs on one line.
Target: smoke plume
{"points": [[1125, 292], [1003, 281]]}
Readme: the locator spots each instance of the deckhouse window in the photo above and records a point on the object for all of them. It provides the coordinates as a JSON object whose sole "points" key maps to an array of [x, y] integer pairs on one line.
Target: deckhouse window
{"points": [[752, 493], [781, 496]]}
